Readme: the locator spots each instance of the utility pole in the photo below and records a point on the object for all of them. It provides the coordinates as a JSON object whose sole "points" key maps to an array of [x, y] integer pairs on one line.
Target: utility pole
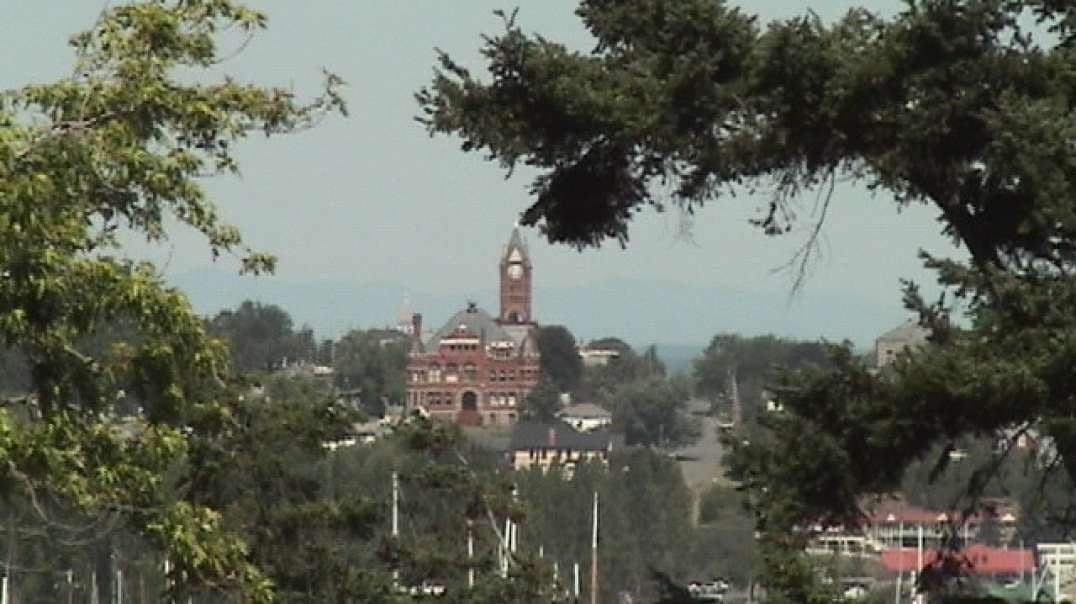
{"points": [[575, 569], [504, 546], [396, 526], [594, 555], [919, 560], [168, 579], [470, 554], [900, 566], [734, 394]]}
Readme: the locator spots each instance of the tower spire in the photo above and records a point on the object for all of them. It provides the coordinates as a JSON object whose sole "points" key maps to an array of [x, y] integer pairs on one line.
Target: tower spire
{"points": [[515, 274]]}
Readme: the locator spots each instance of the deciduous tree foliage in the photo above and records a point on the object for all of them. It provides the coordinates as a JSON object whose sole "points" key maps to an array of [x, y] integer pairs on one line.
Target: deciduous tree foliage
{"points": [[261, 337], [654, 412], [542, 402], [560, 360], [963, 105], [754, 363], [122, 145], [375, 363]]}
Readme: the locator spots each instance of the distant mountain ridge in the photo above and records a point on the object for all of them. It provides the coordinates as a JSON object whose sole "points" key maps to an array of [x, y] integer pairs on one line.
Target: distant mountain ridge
{"points": [[681, 317]]}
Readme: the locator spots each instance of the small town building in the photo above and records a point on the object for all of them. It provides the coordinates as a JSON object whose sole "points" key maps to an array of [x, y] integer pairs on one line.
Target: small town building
{"points": [[548, 445], [908, 337], [895, 524], [596, 357], [477, 369], [586, 417]]}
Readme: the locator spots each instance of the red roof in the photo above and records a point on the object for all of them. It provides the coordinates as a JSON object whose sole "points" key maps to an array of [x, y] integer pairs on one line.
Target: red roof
{"points": [[977, 559], [895, 512]]}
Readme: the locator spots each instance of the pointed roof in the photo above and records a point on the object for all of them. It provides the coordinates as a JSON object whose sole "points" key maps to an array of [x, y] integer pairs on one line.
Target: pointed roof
{"points": [[473, 321], [516, 249], [585, 410], [403, 311], [557, 435], [910, 331]]}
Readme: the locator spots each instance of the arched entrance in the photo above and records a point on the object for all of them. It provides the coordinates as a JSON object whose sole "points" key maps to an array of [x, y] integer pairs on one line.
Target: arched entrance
{"points": [[469, 401]]}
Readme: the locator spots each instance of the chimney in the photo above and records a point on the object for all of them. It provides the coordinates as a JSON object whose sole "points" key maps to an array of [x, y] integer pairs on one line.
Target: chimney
{"points": [[416, 325], [551, 438]]}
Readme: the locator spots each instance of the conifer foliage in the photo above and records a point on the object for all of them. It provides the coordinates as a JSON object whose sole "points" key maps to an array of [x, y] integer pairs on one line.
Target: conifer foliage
{"points": [[963, 105]]}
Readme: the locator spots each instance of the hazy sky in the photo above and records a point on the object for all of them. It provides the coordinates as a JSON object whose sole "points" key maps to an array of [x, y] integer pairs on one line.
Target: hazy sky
{"points": [[372, 198]]}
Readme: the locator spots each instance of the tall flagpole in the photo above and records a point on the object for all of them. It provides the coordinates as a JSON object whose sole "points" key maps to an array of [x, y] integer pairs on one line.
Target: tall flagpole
{"points": [[594, 555]]}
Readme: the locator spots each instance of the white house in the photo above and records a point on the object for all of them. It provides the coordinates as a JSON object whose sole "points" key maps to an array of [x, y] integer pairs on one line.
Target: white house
{"points": [[585, 417]]}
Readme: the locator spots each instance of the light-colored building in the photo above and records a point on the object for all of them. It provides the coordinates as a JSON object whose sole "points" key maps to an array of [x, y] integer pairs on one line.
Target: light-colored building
{"points": [[548, 445], [596, 357], [908, 337], [586, 417], [896, 525]]}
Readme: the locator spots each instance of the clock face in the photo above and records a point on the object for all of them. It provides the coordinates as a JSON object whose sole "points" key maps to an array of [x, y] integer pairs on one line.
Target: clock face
{"points": [[515, 271]]}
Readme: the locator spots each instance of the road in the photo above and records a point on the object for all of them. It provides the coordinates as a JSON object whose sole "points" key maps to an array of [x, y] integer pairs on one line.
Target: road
{"points": [[702, 461]]}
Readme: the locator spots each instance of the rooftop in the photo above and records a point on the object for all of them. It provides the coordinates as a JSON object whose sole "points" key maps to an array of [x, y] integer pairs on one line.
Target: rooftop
{"points": [[975, 559], [471, 321], [558, 435], [585, 410], [909, 331]]}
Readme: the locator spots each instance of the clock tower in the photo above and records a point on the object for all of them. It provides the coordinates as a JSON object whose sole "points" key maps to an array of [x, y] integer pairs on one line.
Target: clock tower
{"points": [[515, 283]]}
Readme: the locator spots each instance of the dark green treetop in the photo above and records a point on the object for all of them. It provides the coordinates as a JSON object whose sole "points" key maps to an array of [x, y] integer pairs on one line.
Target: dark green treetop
{"points": [[559, 357]]}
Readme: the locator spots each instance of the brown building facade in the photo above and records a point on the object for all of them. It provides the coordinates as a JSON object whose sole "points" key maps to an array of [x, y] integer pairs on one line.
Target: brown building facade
{"points": [[477, 369]]}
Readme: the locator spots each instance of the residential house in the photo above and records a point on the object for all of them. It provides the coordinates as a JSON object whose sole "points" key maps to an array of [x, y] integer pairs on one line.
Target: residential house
{"points": [[596, 357], [895, 524], [547, 445], [586, 417], [908, 337]]}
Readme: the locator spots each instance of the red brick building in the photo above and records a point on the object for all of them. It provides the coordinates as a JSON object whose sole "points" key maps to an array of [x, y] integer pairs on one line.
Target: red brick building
{"points": [[477, 369]]}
